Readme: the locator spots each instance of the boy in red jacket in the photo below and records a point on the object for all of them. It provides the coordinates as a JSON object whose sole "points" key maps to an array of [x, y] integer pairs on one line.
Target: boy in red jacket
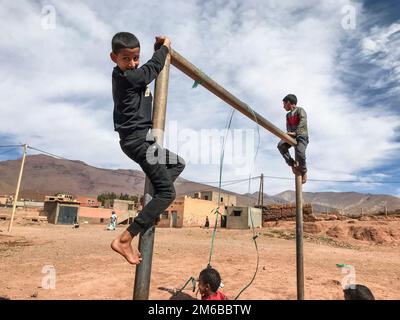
{"points": [[296, 125], [209, 283]]}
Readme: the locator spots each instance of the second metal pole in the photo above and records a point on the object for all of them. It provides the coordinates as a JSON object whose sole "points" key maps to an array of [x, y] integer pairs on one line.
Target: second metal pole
{"points": [[146, 240], [299, 238], [18, 186]]}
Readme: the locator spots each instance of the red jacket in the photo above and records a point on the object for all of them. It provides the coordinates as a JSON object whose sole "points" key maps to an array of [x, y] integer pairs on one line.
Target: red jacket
{"points": [[217, 296]]}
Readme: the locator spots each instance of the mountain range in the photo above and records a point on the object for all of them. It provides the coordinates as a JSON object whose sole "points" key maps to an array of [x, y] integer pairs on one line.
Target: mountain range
{"points": [[45, 175]]}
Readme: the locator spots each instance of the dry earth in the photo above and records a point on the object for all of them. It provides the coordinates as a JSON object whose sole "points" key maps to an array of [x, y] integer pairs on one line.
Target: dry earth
{"points": [[86, 267]]}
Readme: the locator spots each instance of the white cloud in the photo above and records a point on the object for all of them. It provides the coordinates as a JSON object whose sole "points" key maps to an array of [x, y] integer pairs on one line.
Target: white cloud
{"points": [[56, 86], [382, 48]]}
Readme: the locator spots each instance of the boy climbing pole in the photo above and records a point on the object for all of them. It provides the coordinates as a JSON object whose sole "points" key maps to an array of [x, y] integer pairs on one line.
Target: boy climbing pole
{"points": [[296, 125], [132, 120]]}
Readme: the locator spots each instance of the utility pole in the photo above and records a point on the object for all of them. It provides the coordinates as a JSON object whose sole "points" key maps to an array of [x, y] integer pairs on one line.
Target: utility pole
{"points": [[262, 191], [260, 200], [18, 185]]}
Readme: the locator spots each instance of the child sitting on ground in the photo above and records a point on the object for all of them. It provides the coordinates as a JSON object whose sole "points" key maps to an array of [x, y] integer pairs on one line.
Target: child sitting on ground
{"points": [[358, 292], [209, 283]]}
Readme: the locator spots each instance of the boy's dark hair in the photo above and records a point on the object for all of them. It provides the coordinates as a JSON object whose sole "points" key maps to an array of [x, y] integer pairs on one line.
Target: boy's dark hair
{"points": [[123, 40], [210, 276], [291, 98], [359, 292]]}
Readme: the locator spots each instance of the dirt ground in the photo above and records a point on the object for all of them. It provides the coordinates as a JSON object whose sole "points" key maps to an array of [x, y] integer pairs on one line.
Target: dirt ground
{"points": [[86, 268]]}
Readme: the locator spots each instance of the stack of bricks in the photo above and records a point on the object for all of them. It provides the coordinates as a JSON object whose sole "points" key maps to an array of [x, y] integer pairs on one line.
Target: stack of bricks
{"points": [[276, 212]]}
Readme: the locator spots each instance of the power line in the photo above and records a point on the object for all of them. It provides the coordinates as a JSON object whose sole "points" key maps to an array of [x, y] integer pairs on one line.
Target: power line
{"points": [[337, 181], [224, 183], [85, 164], [227, 182], [7, 151], [12, 146], [51, 154]]}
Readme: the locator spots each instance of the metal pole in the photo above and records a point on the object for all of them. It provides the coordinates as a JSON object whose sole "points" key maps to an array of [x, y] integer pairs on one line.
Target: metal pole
{"points": [[146, 240], [299, 238], [196, 74], [259, 193], [262, 191], [17, 191]]}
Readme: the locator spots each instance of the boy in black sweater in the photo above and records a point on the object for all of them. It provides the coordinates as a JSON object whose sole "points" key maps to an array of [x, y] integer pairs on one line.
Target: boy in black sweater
{"points": [[132, 120]]}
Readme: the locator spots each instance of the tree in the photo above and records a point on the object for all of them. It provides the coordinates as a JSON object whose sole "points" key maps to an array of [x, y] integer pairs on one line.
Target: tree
{"points": [[112, 196], [106, 196]]}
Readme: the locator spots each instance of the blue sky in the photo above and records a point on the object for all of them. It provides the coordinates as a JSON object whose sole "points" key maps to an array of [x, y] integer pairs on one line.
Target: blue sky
{"points": [[341, 58]]}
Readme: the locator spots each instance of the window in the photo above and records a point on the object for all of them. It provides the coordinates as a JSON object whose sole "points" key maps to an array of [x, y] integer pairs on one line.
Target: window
{"points": [[130, 207], [237, 213], [222, 199], [196, 195], [164, 215], [205, 197]]}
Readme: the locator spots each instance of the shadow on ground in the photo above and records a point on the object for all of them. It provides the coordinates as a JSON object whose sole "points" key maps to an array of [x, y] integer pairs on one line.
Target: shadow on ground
{"points": [[177, 295]]}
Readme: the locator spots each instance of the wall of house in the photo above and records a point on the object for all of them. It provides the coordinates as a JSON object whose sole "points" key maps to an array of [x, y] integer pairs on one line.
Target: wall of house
{"points": [[237, 222], [178, 207], [244, 220], [86, 201], [123, 205], [191, 212], [3, 200], [196, 210], [50, 210], [227, 199], [256, 216], [102, 216]]}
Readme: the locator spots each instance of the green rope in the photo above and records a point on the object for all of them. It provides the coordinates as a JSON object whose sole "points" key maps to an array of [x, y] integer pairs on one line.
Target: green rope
{"points": [[219, 202], [187, 282], [197, 82], [219, 188], [217, 209], [213, 237]]}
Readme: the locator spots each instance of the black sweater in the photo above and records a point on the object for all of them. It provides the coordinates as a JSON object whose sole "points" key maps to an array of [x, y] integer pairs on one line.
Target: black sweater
{"points": [[132, 97]]}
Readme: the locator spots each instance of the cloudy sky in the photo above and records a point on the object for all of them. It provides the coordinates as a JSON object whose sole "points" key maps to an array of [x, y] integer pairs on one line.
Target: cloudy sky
{"points": [[341, 59]]}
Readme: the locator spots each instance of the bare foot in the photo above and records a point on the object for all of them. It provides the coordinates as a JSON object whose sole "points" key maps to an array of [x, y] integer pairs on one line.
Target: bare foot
{"points": [[123, 246], [304, 178], [295, 170]]}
